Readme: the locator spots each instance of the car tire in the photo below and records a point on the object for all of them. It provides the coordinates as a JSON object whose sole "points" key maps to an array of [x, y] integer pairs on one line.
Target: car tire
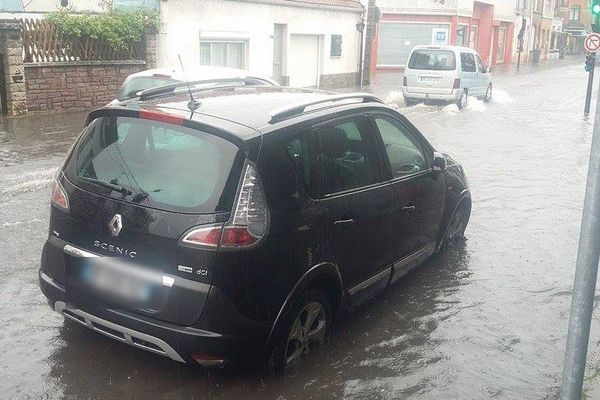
{"points": [[463, 100], [410, 102], [488, 94], [295, 340], [455, 229]]}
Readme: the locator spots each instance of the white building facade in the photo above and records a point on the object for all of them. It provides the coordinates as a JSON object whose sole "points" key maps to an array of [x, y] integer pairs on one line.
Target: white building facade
{"points": [[304, 43]]}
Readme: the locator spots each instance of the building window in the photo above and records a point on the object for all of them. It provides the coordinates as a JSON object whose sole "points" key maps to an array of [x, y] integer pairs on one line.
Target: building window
{"points": [[336, 46], [223, 54], [574, 16], [461, 35]]}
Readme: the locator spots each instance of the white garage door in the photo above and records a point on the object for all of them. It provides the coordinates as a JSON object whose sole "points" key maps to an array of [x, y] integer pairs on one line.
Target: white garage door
{"points": [[303, 60], [396, 40]]}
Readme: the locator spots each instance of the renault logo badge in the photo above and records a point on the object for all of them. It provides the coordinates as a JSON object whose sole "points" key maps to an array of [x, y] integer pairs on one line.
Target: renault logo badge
{"points": [[115, 225]]}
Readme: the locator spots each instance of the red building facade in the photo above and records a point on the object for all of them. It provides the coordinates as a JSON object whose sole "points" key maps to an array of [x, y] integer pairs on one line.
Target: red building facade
{"points": [[398, 33]]}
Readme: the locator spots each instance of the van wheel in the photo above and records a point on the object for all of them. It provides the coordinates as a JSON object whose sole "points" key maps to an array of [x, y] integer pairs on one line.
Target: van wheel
{"points": [[488, 94], [410, 102], [462, 100], [308, 325]]}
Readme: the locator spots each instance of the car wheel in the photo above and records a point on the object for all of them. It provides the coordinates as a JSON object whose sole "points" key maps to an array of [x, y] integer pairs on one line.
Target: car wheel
{"points": [[488, 94], [410, 102], [462, 100], [455, 230], [308, 325]]}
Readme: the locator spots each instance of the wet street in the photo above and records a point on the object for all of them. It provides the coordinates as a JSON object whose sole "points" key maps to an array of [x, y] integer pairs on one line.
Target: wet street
{"points": [[485, 320]]}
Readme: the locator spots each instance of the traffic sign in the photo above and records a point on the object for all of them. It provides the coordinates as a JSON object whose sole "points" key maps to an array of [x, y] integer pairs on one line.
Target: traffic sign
{"points": [[592, 42]]}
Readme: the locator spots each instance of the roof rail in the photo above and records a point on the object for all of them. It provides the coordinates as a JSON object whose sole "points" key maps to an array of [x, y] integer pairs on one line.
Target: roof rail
{"points": [[283, 113], [171, 87]]}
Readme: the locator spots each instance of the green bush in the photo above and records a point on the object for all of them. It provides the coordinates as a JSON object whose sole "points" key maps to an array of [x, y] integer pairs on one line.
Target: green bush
{"points": [[118, 28]]}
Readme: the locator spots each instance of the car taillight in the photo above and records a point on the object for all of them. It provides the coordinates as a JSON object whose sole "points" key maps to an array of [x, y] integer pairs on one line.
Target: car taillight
{"points": [[59, 196], [210, 236], [404, 82], [248, 224], [456, 84]]}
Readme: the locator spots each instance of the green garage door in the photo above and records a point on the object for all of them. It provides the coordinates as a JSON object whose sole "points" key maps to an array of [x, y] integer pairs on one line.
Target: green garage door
{"points": [[396, 40]]}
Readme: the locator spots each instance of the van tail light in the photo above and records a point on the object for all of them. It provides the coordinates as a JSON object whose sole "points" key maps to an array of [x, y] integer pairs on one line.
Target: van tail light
{"points": [[249, 222], [404, 82], [59, 196], [456, 84]]}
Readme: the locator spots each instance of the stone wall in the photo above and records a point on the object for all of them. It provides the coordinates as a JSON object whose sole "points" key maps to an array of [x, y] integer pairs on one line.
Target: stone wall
{"points": [[12, 82], [73, 85], [333, 81]]}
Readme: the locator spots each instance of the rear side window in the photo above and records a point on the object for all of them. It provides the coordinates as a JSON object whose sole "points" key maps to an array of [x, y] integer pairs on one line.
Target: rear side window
{"points": [[158, 165], [432, 60], [335, 158], [467, 62]]}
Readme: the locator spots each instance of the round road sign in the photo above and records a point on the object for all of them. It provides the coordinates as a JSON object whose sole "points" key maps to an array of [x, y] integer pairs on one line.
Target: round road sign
{"points": [[592, 42]]}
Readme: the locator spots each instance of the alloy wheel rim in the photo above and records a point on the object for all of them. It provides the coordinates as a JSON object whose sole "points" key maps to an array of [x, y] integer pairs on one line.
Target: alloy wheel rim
{"points": [[456, 226], [463, 99], [308, 329]]}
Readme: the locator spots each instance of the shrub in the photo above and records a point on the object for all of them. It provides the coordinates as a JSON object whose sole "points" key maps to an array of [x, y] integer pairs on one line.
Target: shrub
{"points": [[118, 28]]}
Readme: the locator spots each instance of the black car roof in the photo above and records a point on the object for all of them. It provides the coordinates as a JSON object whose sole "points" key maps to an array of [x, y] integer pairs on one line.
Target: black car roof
{"points": [[243, 111]]}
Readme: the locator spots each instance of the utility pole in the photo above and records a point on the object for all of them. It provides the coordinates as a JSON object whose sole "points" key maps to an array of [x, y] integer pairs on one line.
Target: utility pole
{"points": [[588, 254], [586, 271], [372, 17]]}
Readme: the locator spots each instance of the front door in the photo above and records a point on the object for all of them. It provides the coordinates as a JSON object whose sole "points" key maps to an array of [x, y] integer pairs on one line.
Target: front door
{"points": [[419, 193], [355, 202]]}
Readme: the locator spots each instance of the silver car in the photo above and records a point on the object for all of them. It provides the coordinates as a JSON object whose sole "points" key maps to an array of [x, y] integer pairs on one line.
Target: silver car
{"points": [[449, 73]]}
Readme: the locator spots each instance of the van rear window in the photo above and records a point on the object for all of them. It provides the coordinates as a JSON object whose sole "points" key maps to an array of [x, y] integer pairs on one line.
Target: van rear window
{"points": [[158, 165], [432, 60]]}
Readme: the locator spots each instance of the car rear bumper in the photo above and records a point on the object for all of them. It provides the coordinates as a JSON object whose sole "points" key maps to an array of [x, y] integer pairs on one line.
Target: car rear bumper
{"points": [[452, 96], [241, 340]]}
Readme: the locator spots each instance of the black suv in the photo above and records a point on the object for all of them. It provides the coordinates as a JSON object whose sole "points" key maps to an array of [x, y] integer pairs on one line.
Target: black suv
{"points": [[239, 223]]}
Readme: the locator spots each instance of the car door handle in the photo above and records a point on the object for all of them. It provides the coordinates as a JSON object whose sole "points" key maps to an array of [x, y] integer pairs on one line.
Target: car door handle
{"points": [[344, 221], [409, 208]]}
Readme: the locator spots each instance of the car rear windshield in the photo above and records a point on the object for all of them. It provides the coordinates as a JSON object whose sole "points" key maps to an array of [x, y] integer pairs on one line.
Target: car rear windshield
{"points": [[137, 84], [432, 60], [158, 165]]}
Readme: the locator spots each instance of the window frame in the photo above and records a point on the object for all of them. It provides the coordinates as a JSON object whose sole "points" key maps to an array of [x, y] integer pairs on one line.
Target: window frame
{"points": [[462, 64], [311, 131], [412, 133], [211, 42]]}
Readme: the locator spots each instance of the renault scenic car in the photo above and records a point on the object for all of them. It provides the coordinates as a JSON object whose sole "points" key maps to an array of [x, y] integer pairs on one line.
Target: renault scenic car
{"points": [[237, 224], [449, 73]]}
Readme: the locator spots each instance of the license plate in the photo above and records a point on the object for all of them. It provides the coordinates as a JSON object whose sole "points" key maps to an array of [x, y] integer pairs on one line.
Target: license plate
{"points": [[116, 281], [430, 79]]}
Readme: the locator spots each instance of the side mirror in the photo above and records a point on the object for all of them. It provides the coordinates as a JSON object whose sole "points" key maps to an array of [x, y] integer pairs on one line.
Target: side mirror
{"points": [[487, 69], [439, 162]]}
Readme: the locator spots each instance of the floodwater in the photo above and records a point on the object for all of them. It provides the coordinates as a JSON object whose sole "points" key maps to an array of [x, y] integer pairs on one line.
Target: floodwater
{"points": [[485, 320]]}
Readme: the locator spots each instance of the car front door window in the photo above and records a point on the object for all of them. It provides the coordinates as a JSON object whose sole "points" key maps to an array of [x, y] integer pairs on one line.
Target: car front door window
{"points": [[403, 150]]}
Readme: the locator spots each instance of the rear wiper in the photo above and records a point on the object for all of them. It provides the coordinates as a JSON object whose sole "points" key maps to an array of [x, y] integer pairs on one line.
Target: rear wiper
{"points": [[115, 187]]}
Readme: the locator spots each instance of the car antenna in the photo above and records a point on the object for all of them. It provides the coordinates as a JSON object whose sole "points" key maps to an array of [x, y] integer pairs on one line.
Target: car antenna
{"points": [[192, 104]]}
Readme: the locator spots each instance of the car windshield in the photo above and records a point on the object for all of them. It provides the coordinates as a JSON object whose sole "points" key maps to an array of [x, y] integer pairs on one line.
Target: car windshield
{"points": [[133, 85], [433, 60], [159, 165]]}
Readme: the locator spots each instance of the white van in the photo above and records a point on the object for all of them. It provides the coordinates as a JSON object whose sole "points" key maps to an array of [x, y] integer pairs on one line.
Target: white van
{"points": [[450, 73]]}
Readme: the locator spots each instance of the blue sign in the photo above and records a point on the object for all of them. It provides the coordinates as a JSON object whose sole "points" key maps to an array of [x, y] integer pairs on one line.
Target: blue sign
{"points": [[11, 5]]}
